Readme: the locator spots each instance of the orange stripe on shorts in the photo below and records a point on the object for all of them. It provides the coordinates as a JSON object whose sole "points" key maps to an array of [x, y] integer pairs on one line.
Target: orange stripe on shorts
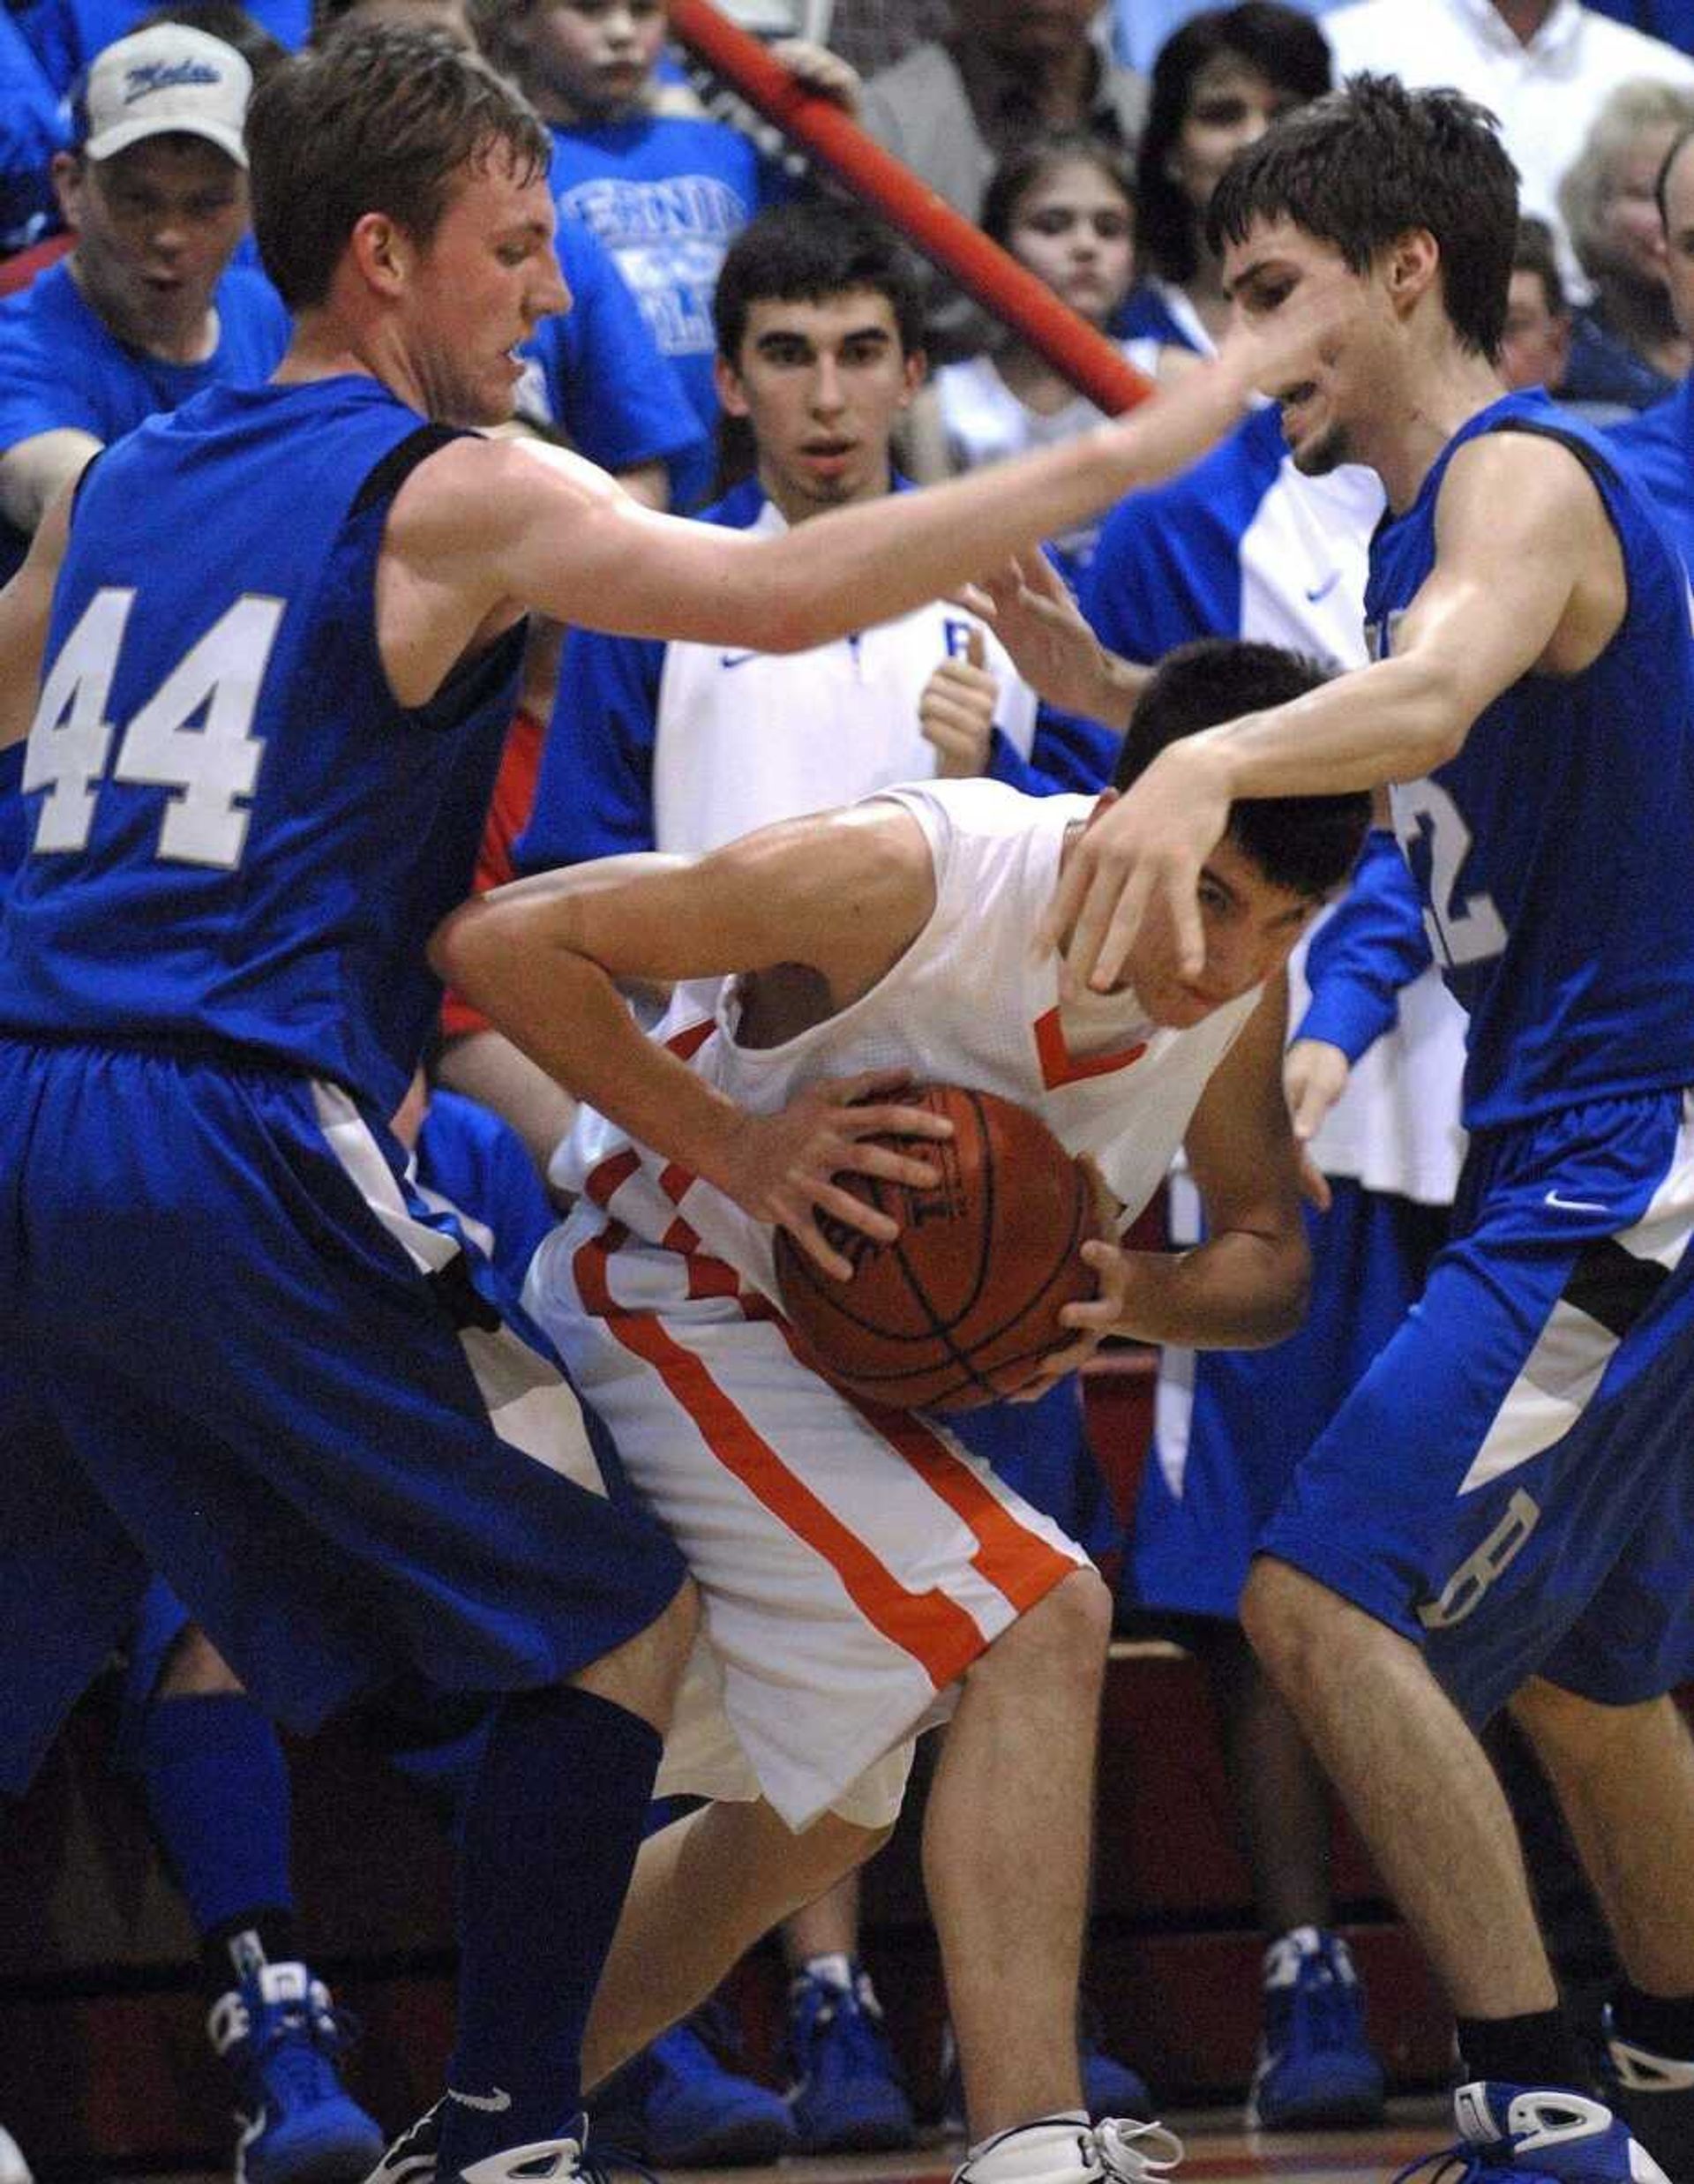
{"points": [[934, 1630], [1019, 1564]]}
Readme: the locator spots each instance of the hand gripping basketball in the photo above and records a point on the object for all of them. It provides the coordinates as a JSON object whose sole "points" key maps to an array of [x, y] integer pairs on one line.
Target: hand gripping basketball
{"points": [[786, 1169]]}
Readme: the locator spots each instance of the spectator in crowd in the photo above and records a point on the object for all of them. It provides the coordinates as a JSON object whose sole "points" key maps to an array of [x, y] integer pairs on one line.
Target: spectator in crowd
{"points": [[30, 133], [1536, 345], [1656, 447], [146, 309], [1218, 83], [870, 35], [952, 109], [664, 191], [66, 35], [1544, 67], [1064, 206], [1140, 27], [1627, 350]]}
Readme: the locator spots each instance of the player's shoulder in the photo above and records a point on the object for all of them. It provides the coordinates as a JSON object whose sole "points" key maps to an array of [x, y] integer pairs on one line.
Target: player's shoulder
{"points": [[1522, 469], [979, 809]]}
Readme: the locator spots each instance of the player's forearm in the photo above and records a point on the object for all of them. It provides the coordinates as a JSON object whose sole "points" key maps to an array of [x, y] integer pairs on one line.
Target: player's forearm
{"points": [[34, 471], [1396, 721], [1240, 1290], [561, 1009], [885, 557]]}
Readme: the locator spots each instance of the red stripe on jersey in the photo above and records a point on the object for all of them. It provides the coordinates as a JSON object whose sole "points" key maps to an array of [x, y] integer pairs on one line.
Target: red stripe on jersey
{"points": [[934, 1630], [591, 1267], [1060, 1066], [611, 1174], [676, 1182], [1019, 1564], [687, 1042]]}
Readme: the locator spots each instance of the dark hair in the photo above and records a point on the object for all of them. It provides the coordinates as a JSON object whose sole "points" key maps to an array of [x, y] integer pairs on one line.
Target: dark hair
{"points": [[1536, 251], [1305, 843], [806, 253], [1279, 43], [1374, 162], [1035, 158], [1679, 144], [381, 118], [227, 19]]}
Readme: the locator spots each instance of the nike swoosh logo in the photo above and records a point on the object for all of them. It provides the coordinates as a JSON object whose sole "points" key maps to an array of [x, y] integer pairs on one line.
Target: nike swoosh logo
{"points": [[1573, 1205], [491, 2103], [1314, 592], [737, 659]]}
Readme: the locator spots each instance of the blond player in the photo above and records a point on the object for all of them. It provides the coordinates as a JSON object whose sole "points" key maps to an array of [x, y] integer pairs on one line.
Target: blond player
{"points": [[862, 1577]]}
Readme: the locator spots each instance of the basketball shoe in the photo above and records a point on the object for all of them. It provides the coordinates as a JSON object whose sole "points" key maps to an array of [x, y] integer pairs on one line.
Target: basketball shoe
{"points": [[681, 2104], [1063, 2150], [1314, 2064], [412, 2159], [14, 2168], [846, 2094], [1536, 2134], [1654, 2095], [279, 2036]]}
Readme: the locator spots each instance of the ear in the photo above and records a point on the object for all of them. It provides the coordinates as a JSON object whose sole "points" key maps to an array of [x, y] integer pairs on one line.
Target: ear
{"points": [[383, 252], [915, 372], [1412, 265], [732, 397], [70, 180]]}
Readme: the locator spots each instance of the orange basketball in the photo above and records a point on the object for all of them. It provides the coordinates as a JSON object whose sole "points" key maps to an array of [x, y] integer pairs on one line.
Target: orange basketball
{"points": [[964, 1306]]}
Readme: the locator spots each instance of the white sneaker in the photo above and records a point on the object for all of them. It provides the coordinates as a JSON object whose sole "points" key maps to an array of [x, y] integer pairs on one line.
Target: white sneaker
{"points": [[14, 2168], [1056, 2149], [546, 2161]]}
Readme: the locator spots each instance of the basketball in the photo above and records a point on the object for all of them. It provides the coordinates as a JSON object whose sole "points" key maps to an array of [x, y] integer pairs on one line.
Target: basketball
{"points": [[964, 1306]]}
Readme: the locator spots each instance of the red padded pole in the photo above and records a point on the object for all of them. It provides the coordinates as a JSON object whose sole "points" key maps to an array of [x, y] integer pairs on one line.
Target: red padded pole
{"points": [[1071, 345]]}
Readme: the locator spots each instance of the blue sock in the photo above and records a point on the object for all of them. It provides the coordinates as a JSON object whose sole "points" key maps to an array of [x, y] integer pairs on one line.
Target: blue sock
{"points": [[218, 1790], [551, 1827]]}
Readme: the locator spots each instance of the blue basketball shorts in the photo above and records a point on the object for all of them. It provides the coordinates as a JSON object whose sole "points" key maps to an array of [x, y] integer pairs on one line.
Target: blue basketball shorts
{"points": [[1511, 1485], [264, 1369]]}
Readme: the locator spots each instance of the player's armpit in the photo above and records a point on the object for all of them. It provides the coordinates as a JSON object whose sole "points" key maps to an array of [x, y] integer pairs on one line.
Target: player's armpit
{"points": [[24, 605]]}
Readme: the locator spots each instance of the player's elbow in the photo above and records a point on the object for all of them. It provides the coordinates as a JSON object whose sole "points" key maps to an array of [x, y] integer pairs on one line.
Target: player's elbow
{"points": [[456, 947], [1286, 1296]]}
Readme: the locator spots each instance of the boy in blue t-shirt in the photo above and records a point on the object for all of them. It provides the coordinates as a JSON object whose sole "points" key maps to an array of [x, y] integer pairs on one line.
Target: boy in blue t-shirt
{"points": [[665, 187]]}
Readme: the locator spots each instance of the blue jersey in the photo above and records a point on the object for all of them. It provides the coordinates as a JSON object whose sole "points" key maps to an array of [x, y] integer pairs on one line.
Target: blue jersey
{"points": [[1656, 447], [667, 195], [66, 34], [240, 840], [1552, 853], [62, 367], [31, 130], [596, 372]]}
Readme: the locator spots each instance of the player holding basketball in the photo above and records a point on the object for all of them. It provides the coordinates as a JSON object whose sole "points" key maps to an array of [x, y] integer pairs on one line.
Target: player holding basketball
{"points": [[1504, 1511], [864, 1577], [276, 641]]}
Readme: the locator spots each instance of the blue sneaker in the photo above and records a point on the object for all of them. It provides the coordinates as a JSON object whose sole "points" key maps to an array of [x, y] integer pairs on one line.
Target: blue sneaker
{"points": [[1654, 2095], [846, 2095], [1314, 2066], [1536, 2134], [680, 2105], [1110, 2088], [279, 2037]]}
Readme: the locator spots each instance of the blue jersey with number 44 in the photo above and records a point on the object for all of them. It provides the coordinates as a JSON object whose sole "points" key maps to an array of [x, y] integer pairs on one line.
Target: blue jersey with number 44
{"points": [[238, 840], [1553, 852]]}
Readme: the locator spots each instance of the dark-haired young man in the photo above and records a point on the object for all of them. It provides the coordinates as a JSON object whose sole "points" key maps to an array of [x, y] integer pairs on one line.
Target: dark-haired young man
{"points": [[276, 637], [1503, 1513], [863, 1574]]}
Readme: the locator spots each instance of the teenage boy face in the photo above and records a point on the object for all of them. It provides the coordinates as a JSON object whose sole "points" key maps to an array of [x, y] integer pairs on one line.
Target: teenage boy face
{"points": [[821, 385]]}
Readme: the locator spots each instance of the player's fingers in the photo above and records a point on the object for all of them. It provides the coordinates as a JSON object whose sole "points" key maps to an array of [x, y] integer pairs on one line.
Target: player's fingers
{"points": [[976, 649], [1057, 921], [846, 1092], [811, 1240], [893, 1166], [1108, 1206], [845, 1206], [1314, 1183], [894, 1120], [1115, 897]]}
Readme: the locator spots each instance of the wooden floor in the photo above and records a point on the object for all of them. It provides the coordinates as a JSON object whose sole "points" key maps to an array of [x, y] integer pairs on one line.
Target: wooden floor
{"points": [[1216, 2151]]}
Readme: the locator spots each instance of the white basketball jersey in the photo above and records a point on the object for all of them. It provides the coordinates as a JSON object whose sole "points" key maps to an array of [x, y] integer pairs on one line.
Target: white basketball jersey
{"points": [[970, 1003]]}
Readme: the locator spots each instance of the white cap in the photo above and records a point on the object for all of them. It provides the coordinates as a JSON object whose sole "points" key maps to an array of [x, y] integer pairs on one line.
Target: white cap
{"points": [[169, 79]]}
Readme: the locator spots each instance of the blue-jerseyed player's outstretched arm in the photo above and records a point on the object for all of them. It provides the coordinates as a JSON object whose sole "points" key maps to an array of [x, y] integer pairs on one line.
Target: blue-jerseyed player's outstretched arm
{"points": [[1528, 576]]}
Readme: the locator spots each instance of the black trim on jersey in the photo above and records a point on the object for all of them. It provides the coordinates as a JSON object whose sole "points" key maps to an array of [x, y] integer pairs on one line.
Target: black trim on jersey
{"points": [[82, 476], [460, 1299], [388, 476], [1614, 1287]]}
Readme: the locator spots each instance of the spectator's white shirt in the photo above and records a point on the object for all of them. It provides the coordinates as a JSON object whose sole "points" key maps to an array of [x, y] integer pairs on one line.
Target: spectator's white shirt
{"points": [[1546, 93]]}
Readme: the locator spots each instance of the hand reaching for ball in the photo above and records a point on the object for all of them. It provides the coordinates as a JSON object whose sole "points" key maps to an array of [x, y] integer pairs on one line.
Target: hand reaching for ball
{"points": [[782, 1167], [1091, 1319]]}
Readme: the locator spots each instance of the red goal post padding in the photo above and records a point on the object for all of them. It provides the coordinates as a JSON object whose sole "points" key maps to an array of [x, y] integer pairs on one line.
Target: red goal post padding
{"points": [[1071, 345]]}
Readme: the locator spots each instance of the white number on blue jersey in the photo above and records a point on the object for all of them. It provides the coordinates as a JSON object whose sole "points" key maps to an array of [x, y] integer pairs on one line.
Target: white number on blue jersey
{"points": [[215, 684], [1462, 928]]}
